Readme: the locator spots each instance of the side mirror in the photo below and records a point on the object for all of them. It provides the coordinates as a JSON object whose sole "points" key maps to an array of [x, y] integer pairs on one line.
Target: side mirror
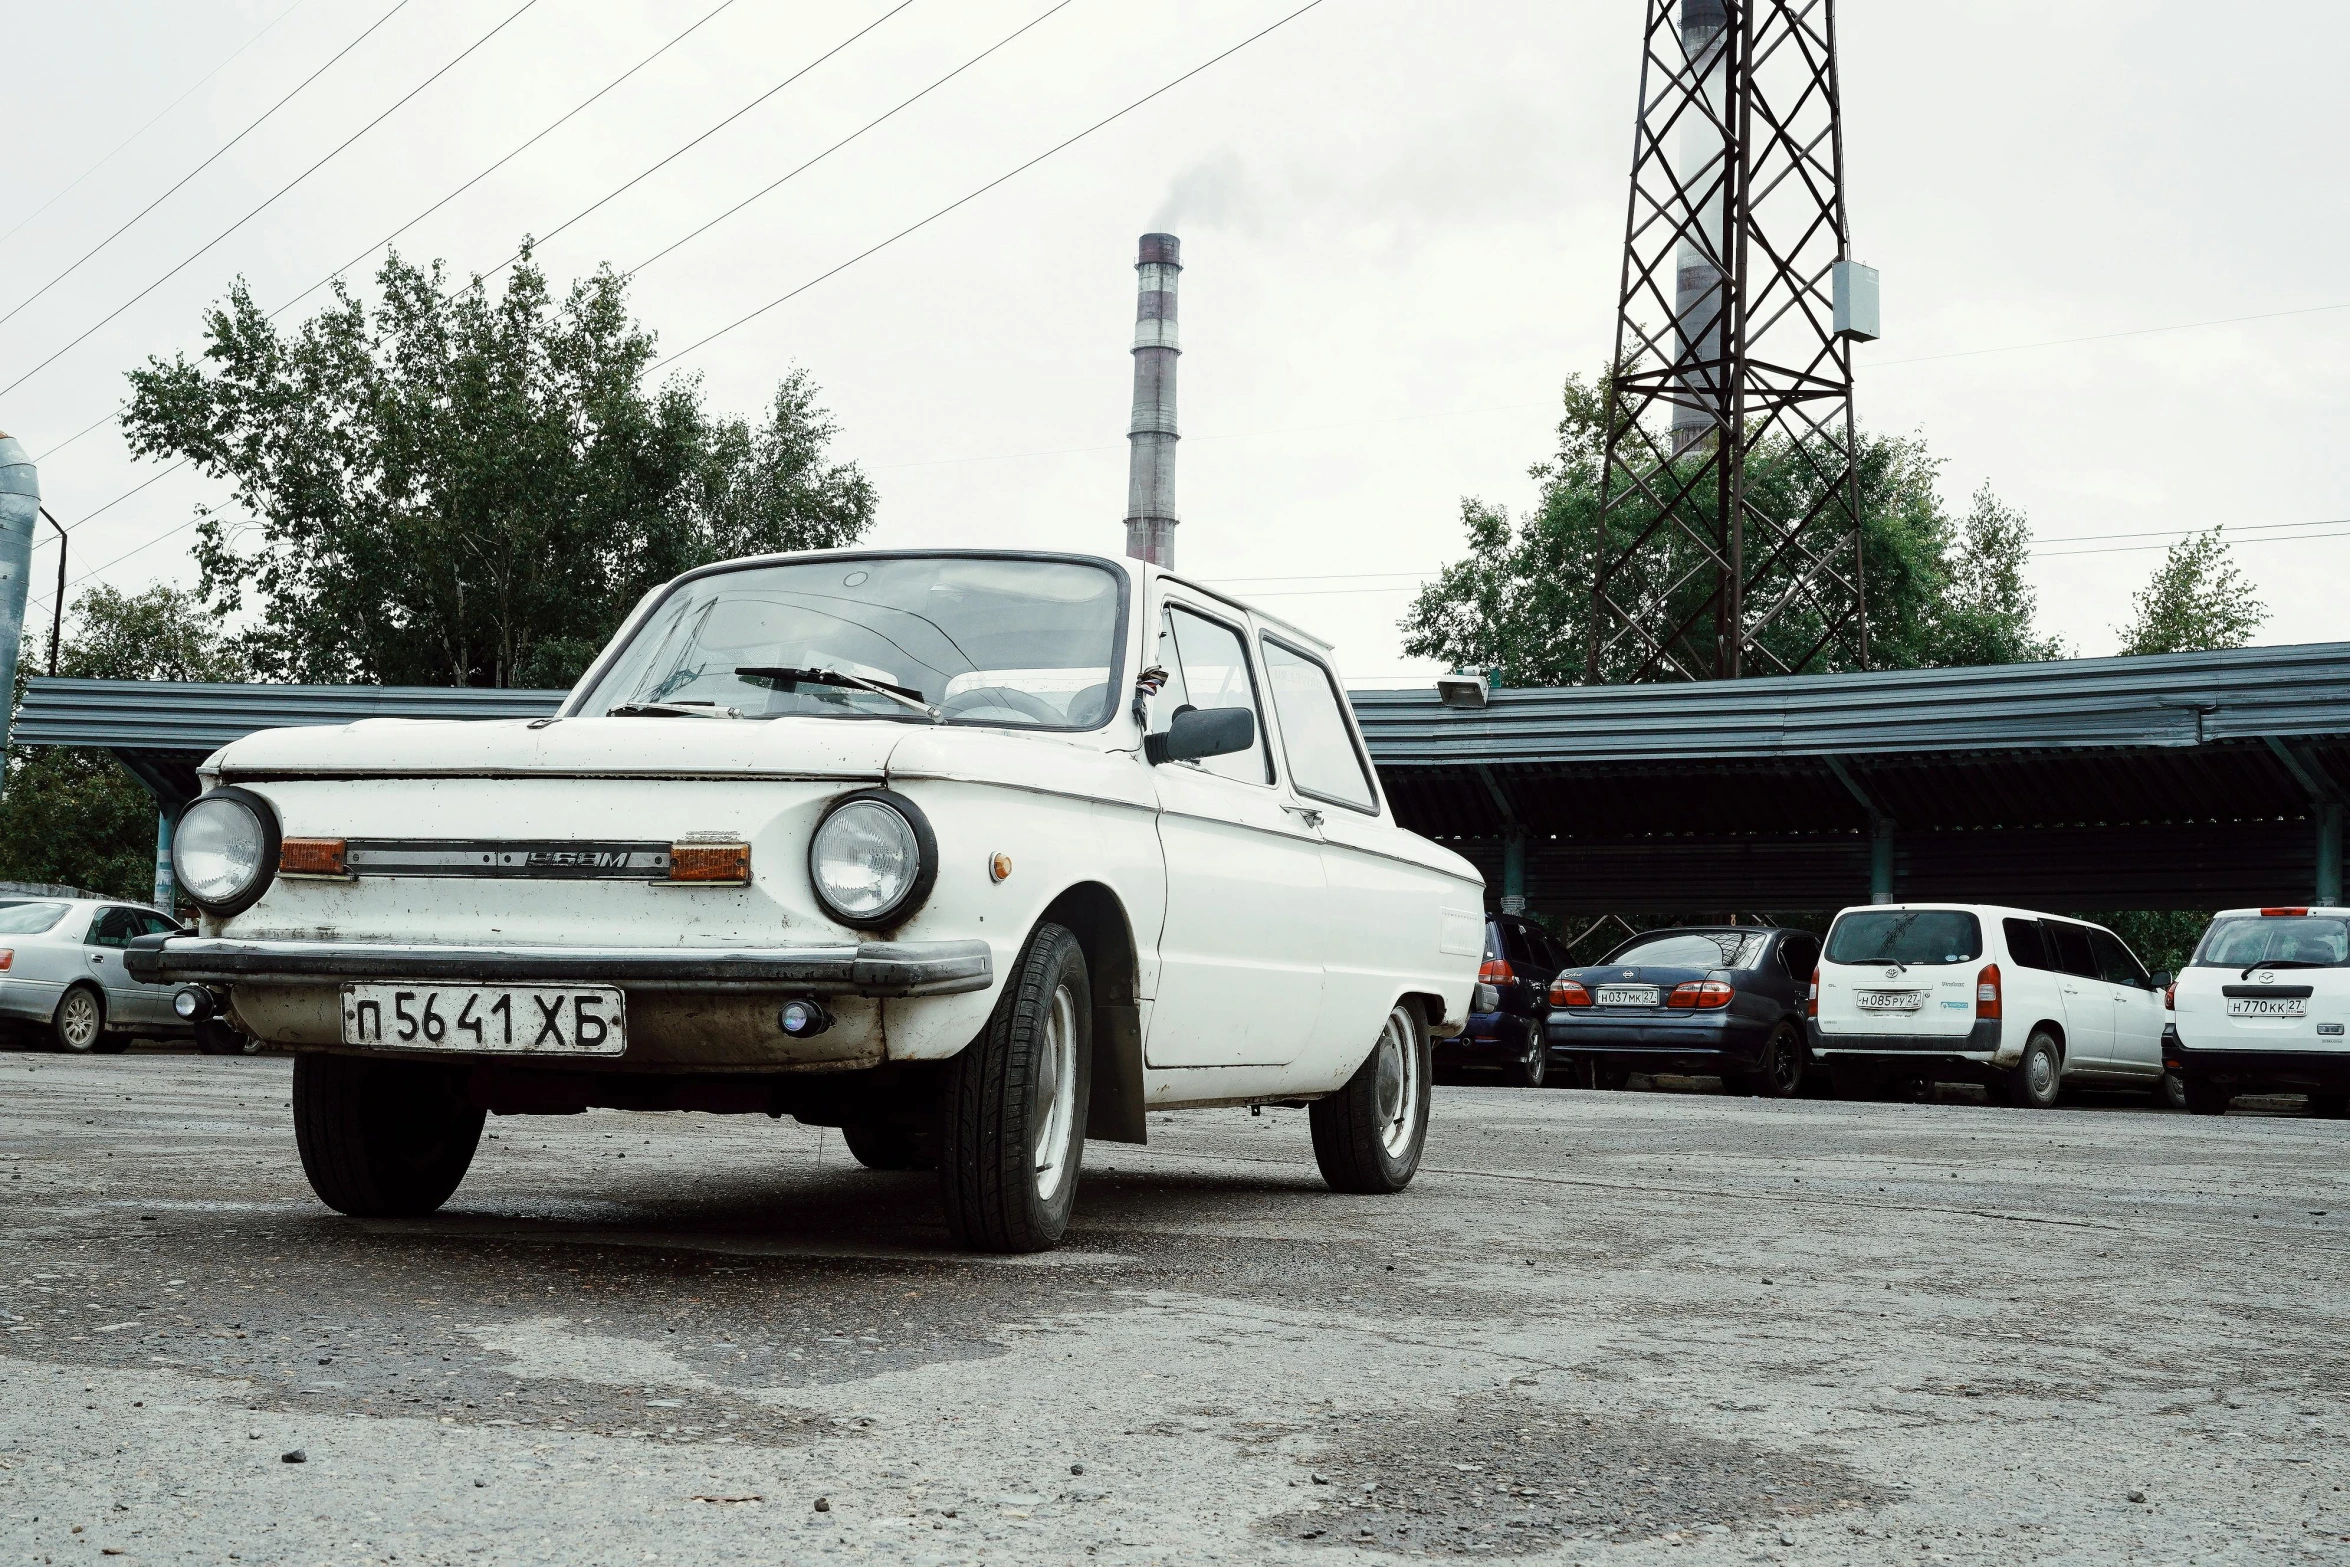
{"points": [[2162, 980], [1202, 731]]}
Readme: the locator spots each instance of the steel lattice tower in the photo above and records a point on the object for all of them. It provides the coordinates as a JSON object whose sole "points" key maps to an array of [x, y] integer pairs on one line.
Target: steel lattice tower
{"points": [[1733, 339]]}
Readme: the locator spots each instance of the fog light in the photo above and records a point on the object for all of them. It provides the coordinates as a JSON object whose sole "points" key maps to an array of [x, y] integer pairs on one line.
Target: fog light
{"points": [[193, 1003], [804, 1019]]}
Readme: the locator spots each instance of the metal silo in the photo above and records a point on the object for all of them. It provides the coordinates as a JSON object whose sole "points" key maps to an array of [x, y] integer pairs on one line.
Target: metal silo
{"points": [[20, 509]]}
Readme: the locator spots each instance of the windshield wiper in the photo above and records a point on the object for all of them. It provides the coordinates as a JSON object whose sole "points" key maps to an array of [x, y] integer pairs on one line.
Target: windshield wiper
{"points": [[784, 678], [691, 709], [2281, 963]]}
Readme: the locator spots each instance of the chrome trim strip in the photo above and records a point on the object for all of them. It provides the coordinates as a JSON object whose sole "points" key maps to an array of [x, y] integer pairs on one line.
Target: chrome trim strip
{"points": [[551, 859], [872, 968]]}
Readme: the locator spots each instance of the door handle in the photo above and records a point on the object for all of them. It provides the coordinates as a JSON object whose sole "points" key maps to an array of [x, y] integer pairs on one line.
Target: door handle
{"points": [[1305, 813]]}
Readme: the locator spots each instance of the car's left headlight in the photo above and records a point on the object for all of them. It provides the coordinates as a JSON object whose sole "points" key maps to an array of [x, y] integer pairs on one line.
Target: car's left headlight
{"points": [[224, 848], [873, 858]]}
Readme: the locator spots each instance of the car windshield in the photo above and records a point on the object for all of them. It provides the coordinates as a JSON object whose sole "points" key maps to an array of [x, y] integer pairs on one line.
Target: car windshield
{"points": [[1906, 936], [1694, 949], [2299, 941], [946, 638], [29, 919]]}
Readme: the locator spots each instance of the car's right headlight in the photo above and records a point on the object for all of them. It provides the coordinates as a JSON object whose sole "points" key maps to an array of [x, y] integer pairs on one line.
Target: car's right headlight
{"points": [[224, 849], [873, 859]]}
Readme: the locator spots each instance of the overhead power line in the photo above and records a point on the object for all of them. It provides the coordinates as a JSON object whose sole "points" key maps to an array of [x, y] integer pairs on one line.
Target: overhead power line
{"points": [[397, 7], [631, 183], [901, 105], [74, 184], [541, 135], [1000, 179], [274, 196]]}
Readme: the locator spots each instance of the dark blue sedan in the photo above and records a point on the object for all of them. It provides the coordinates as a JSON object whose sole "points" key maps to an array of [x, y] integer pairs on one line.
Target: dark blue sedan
{"points": [[1716, 1001]]}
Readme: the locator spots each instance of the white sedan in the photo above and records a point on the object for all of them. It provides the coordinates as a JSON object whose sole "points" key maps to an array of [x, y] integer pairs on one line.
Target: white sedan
{"points": [[62, 979], [974, 855]]}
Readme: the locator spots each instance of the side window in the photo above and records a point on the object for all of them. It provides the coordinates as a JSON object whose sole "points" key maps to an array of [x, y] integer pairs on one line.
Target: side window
{"points": [[156, 925], [1801, 954], [1517, 947], [2026, 945], [2115, 963], [2069, 944], [1207, 666], [1323, 761], [114, 928], [1547, 951]]}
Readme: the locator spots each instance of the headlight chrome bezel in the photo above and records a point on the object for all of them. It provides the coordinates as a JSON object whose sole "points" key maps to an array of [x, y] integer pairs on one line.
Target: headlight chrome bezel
{"points": [[265, 872], [917, 890]]}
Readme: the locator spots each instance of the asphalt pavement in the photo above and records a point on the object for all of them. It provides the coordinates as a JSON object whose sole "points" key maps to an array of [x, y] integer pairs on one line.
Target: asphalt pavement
{"points": [[1608, 1328]]}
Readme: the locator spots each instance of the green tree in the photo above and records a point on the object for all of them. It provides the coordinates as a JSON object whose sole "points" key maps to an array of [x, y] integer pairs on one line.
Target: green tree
{"points": [[1520, 600], [75, 816], [456, 488], [2196, 600]]}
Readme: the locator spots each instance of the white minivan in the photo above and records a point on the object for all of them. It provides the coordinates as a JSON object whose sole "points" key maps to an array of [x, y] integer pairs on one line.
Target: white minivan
{"points": [[2019, 1001], [2262, 1006]]}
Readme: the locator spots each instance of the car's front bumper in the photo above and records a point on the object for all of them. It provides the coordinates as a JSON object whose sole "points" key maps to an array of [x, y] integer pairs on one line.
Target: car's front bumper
{"points": [[872, 968]]}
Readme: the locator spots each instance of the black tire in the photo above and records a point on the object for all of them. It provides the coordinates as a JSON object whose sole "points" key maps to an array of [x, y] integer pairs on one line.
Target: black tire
{"points": [[1020, 1086], [1530, 1069], [2333, 1105], [2173, 1091], [885, 1145], [1368, 1136], [78, 1026], [2036, 1081], [2205, 1097], [1601, 1076], [382, 1139], [1785, 1061]]}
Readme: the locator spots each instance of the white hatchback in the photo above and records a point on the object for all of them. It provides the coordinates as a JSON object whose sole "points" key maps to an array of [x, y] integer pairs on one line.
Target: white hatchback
{"points": [[2019, 1001], [2262, 1006]]}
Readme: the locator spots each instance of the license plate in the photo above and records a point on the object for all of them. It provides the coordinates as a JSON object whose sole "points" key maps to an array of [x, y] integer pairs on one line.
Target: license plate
{"points": [[1627, 995], [2268, 1006], [1890, 1000], [571, 1020]]}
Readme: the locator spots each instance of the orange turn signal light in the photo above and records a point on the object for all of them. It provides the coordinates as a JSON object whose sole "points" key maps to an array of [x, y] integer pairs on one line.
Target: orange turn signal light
{"points": [[312, 857], [723, 864]]}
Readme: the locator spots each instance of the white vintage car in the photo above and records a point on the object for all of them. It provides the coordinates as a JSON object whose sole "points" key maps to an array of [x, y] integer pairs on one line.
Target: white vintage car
{"points": [[972, 854]]}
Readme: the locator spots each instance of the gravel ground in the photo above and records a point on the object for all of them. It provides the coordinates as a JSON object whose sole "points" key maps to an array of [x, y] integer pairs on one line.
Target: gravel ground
{"points": [[1607, 1328]]}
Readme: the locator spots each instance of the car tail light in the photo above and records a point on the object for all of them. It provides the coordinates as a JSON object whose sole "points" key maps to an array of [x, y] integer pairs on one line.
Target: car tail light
{"points": [[1811, 1001], [1496, 971], [7, 957], [1569, 993], [2170, 996], [1987, 991], [1706, 994], [722, 863], [312, 857], [2283, 913]]}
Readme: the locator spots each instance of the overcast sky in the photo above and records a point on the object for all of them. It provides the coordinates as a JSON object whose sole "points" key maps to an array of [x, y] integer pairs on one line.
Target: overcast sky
{"points": [[1401, 224]]}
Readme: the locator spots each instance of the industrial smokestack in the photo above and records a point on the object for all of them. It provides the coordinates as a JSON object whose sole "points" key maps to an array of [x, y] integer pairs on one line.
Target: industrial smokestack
{"points": [[1697, 306], [1150, 464], [20, 511]]}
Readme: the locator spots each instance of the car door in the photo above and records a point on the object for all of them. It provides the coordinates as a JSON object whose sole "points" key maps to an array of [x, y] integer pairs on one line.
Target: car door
{"points": [[1241, 952], [2137, 1008], [110, 932], [1799, 958], [2088, 1000], [1379, 901]]}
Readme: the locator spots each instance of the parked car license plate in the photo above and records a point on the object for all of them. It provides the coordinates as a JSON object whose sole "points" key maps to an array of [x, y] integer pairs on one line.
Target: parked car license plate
{"points": [[571, 1020], [2268, 1006], [1891, 1000], [1627, 995]]}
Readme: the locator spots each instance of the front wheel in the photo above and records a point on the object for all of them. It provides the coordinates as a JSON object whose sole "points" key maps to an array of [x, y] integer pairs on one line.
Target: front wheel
{"points": [[1012, 1131], [2205, 1097], [1368, 1135], [382, 1139], [2034, 1082], [2173, 1091]]}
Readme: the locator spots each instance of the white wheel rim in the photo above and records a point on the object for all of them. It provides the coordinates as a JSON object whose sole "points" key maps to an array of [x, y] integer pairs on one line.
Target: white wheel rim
{"points": [[79, 1023], [1396, 1090], [1052, 1103]]}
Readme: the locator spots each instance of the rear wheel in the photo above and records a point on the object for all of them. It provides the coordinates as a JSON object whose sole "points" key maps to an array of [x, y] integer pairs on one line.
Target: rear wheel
{"points": [[382, 1139], [1012, 1133], [2034, 1082], [883, 1145], [2332, 1105], [1780, 1073], [2205, 1097], [1529, 1069], [1368, 1135], [78, 1026]]}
